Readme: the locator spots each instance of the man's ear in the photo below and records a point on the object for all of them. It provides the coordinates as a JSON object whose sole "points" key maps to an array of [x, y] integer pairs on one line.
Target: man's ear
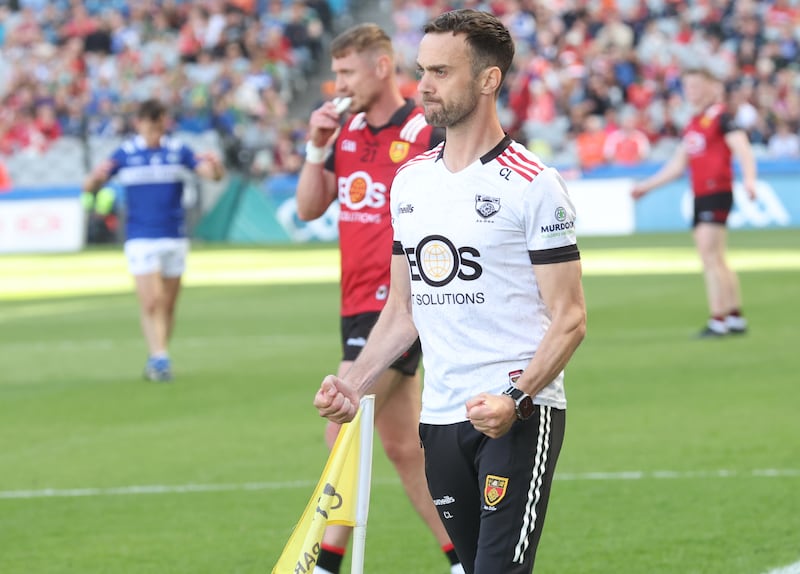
{"points": [[492, 78], [383, 66]]}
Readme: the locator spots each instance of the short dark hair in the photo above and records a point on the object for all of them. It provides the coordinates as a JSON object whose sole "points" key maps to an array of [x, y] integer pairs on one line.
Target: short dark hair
{"points": [[152, 110], [366, 37], [487, 37]]}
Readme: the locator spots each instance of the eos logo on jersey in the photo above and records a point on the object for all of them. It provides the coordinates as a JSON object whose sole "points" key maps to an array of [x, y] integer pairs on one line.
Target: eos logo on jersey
{"points": [[436, 261], [358, 191], [695, 143]]}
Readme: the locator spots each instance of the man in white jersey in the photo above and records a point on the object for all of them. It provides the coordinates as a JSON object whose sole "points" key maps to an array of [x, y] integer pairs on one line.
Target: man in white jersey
{"points": [[486, 271], [150, 167]]}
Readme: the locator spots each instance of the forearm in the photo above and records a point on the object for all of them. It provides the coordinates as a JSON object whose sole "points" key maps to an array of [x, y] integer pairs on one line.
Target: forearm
{"points": [[747, 163], [392, 335], [670, 171], [557, 347], [92, 184], [312, 194]]}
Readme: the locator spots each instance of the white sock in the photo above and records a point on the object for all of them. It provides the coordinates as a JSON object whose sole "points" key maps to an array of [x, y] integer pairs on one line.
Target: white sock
{"points": [[456, 569], [717, 326], [735, 322], [320, 570]]}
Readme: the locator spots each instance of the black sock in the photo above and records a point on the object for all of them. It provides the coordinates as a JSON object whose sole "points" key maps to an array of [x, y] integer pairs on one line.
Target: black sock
{"points": [[450, 552], [330, 558]]}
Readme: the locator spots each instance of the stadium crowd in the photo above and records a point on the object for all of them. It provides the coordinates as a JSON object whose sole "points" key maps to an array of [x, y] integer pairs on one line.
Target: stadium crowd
{"points": [[79, 68], [600, 79], [595, 82]]}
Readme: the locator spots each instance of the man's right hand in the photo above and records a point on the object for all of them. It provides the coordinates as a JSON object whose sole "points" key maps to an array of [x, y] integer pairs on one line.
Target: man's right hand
{"points": [[323, 125], [336, 401], [638, 190]]}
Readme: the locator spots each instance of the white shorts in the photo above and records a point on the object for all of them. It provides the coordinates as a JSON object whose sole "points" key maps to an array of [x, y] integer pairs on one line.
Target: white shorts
{"points": [[166, 255]]}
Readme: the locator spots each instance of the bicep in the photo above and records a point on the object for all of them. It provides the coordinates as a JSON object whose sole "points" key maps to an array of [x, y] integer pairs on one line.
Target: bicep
{"points": [[560, 286], [737, 140]]}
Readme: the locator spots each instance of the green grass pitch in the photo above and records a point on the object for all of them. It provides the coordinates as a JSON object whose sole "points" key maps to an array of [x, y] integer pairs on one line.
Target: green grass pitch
{"points": [[681, 456]]}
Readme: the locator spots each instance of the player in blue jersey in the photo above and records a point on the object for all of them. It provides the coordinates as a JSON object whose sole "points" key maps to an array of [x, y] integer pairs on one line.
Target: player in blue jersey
{"points": [[151, 167]]}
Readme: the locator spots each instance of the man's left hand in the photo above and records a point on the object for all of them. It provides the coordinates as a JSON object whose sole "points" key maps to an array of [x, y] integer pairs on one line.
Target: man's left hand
{"points": [[493, 415]]}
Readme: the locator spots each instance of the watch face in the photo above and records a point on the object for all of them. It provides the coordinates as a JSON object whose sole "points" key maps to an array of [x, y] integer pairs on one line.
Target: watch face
{"points": [[525, 408]]}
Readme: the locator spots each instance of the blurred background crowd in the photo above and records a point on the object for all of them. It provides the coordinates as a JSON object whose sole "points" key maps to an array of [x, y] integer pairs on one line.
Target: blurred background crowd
{"points": [[595, 82]]}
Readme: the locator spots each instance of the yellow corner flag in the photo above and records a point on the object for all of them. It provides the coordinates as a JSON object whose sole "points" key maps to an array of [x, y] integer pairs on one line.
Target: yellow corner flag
{"points": [[339, 497]]}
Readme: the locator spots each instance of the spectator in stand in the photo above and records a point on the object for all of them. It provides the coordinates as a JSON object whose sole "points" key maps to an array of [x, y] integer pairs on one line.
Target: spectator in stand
{"points": [[627, 144], [590, 143], [47, 123], [784, 143], [55, 45], [5, 177]]}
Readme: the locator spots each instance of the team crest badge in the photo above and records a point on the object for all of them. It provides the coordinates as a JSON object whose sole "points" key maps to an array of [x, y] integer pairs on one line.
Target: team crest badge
{"points": [[399, 151], [495, 489], [486, 206]]}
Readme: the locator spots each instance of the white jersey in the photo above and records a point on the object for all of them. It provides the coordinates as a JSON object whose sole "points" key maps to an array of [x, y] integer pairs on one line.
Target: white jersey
{"points": [[471, 239]]}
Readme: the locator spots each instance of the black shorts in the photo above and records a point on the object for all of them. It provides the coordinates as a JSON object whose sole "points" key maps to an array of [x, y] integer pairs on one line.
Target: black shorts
{"points": [[499, 531], [713, 208], [355, 330]]}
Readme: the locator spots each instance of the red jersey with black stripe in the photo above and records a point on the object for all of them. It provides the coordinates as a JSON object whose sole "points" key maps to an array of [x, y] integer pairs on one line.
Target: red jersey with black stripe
{"points": [[708, 152], [365, 160]]}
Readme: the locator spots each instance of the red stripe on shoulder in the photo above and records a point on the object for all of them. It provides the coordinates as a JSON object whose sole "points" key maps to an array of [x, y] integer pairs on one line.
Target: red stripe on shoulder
{"points": [[524, 158], [425, 156], [521, 165]]}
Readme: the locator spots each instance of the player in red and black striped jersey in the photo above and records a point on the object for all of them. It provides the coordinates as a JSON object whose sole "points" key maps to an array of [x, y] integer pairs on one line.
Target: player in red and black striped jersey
{"points": [[354, 161], [709, 142]]}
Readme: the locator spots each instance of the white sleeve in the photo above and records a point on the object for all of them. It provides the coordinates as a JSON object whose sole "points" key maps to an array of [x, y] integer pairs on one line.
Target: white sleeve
{"points": [[549, 214]]}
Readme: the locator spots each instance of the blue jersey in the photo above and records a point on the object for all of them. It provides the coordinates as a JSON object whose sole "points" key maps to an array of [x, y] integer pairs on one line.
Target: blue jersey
{"points": [[153, 179]]}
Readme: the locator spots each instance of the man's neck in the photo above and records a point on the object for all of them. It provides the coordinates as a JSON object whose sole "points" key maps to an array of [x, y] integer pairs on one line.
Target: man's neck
{"points": [[471, 140], [384, 108]]}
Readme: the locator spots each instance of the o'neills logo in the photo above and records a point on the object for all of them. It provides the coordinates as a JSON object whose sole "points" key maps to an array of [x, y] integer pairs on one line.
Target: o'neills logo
{"points": [[406, 208], [558, 227]]}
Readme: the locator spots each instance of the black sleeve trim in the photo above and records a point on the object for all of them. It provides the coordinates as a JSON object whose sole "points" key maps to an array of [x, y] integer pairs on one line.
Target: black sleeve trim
{"points": [[727, 123], [555, 255], [330, 161], [397, 248]]}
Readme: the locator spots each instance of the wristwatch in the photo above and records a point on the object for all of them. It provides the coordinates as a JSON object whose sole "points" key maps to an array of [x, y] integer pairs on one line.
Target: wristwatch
{"points": [[523, 403]]}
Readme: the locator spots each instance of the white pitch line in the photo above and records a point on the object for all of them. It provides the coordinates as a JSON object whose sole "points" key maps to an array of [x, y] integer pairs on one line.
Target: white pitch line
{"points": [[252, 486], [790, 569]]}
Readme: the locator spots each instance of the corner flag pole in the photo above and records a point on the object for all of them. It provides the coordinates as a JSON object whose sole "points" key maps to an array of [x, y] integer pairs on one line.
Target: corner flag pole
{"points": [[364, 483]]}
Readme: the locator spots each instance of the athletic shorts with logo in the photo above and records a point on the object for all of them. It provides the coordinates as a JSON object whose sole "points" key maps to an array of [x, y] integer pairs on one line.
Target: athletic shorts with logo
{"points": [[356, 328], [713, 208], [500, 532], [165, 255]]}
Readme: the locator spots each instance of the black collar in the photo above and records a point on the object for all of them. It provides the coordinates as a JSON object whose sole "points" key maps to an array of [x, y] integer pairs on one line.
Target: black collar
{"points": [[398, 118], [489, 155]]}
